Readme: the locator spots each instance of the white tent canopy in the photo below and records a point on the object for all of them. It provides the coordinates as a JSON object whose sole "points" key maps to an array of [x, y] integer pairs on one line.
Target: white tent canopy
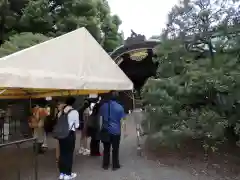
{"points": [[74, 61]]}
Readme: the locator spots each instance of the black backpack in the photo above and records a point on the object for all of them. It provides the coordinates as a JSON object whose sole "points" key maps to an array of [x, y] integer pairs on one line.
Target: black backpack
{"points": [[61, 129]]}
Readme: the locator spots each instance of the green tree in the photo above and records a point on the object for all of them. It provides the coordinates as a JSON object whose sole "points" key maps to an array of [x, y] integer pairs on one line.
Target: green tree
{"points": [[21, 41], [112, 38], [37, 18], [57, 17], [196, 94], [8, 18]]}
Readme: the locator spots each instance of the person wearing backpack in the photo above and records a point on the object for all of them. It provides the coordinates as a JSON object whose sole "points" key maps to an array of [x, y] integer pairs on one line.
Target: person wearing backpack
{"points": [[64, 131]]}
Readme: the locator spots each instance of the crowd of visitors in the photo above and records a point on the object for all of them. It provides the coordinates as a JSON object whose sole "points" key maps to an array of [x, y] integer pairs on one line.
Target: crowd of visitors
{"points": [[102, 123]]}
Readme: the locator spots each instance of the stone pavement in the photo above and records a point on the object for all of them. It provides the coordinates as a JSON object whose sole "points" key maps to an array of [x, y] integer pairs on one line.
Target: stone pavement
{"points": [[89, 168]]}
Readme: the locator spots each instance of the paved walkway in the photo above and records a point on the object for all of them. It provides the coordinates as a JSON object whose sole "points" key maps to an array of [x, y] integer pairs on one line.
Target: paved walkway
{"points": [[134, 167], [89, 168]]}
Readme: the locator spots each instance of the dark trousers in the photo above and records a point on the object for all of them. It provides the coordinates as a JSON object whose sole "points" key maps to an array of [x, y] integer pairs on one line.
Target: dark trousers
{"points": [[114, 144], [95, 142], [67, 147]]}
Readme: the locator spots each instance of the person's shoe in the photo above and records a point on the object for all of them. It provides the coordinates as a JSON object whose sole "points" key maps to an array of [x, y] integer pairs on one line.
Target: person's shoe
{"points": [[68, 177], [61, 176], [115, 168], [86, 152], [44, 146], [81, 150]]}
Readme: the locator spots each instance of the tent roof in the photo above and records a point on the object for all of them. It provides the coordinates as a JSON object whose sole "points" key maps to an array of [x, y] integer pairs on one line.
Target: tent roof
{"points": [[71, 62]]}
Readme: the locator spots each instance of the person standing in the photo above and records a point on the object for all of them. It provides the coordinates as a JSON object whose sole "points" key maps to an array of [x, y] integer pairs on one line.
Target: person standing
{"points": [[37, 123], [93, 131], [111, 113], [67, 145], [46, 112], [60, 107], [85, 113]]}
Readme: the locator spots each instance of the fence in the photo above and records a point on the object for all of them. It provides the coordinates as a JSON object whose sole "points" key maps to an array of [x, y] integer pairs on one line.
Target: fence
{"points": [[18, 160], [13, 120]]}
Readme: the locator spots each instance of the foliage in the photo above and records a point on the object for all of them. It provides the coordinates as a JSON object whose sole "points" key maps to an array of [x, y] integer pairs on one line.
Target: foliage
{"points": [[21, 41], [57, 17], [197, 92]]}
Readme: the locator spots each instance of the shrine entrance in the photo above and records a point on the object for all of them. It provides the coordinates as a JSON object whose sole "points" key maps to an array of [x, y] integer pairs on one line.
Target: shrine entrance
{"points": [[135, 58]]}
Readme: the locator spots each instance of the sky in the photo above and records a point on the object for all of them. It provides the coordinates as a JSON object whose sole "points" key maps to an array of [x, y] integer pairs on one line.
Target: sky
{"points": [[147, 17]]}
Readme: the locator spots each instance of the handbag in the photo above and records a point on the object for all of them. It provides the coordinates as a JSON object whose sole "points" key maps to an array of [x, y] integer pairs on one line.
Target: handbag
{"points": [[104, 134]]}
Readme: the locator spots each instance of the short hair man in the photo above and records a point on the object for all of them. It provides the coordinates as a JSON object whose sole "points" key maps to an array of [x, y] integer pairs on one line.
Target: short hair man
{"points": [[112, 113]]}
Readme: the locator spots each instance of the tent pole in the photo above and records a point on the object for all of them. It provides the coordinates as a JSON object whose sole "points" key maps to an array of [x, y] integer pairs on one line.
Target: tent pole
{"points": [[1, 92], [30, 103], [133, 99]]}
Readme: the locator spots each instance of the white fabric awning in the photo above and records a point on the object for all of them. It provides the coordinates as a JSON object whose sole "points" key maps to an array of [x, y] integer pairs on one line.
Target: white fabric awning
{"points": [[74, 61]]}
